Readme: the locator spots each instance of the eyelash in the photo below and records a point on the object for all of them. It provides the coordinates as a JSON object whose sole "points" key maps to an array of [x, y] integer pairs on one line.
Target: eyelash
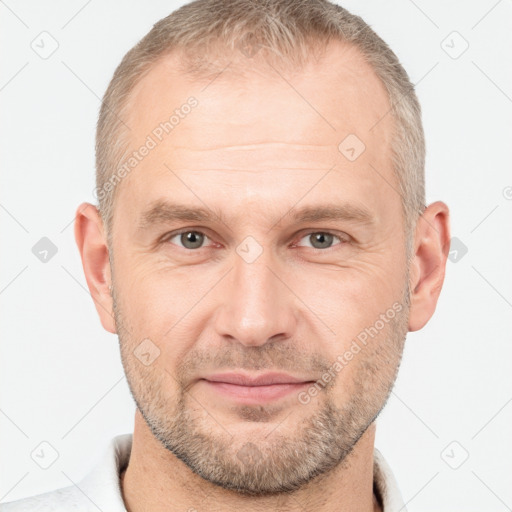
{"points": [[169, 236]]}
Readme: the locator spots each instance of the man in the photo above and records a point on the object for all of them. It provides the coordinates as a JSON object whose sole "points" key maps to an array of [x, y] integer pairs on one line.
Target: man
{"points": [[261, 248]]}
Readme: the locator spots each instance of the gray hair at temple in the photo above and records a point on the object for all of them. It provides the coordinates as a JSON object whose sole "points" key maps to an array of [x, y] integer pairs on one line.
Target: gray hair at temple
{"points": [[209, 34]]}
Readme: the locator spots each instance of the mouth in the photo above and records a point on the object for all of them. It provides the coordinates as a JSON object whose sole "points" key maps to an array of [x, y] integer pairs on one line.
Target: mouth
{"points": [[248, 389]]}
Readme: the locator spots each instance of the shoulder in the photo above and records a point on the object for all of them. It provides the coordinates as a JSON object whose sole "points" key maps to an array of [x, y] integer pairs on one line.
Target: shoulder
{"points": [[65, 499], [98, 490]]}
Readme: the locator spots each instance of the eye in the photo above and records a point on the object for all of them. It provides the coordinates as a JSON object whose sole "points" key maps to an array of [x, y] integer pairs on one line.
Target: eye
{"points": [[320, 240], [192, 239], [188, 239]]}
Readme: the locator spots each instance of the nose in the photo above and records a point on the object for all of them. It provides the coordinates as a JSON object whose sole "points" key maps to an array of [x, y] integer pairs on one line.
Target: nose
{"points": [[258, 305]]}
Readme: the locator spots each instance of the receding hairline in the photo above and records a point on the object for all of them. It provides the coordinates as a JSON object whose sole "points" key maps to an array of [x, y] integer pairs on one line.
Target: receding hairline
{"points": [[222, 64]]}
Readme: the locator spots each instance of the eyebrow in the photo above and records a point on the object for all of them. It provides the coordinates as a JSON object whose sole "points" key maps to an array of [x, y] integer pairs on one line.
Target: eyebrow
{"points": [[163, 211]]}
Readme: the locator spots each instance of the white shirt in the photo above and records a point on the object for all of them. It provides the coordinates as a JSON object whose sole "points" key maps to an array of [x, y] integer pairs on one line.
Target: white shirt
{"points": [[101, 489]]}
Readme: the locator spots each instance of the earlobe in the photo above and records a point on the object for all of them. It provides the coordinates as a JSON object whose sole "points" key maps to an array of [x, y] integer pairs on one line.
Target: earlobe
{"points": [[431, 247], [92, 244]]}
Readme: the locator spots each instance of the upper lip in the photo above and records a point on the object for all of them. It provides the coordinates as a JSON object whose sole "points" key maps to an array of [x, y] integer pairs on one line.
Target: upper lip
{"points": [[265, 379]]}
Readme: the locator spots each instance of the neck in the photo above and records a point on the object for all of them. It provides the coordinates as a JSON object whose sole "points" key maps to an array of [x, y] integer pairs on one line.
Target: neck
{"points": [[157, 480]]}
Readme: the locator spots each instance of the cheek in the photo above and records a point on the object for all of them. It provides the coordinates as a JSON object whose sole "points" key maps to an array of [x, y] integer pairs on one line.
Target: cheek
{"points": [[366, 365], [141, 299], [165, 304], [350, 300]]}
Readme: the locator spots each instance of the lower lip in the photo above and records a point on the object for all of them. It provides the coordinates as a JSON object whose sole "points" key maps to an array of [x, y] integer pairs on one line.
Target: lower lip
{"points": [[256, 394]]}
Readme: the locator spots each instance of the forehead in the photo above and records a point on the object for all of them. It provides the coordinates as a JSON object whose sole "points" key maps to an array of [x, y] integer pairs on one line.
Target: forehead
{"points": [[252, 120], [332, 95]]}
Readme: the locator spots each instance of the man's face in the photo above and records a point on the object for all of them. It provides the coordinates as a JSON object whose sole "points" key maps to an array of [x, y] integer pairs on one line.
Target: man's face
{"points": [[256, 287]]}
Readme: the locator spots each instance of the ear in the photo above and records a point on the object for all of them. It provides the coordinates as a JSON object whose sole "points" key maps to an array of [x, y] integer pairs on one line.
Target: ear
{"points": [[431, 248], [92, 244]]}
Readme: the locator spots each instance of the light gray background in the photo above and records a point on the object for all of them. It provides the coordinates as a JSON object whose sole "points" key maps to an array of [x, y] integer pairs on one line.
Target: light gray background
{"points": [[61, 378]]}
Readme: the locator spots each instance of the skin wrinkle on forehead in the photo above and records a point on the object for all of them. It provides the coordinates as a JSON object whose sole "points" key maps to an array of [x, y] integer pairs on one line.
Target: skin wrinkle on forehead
{"points": [[299, 156], [255, 157], [199, 162], [202, 167]]}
